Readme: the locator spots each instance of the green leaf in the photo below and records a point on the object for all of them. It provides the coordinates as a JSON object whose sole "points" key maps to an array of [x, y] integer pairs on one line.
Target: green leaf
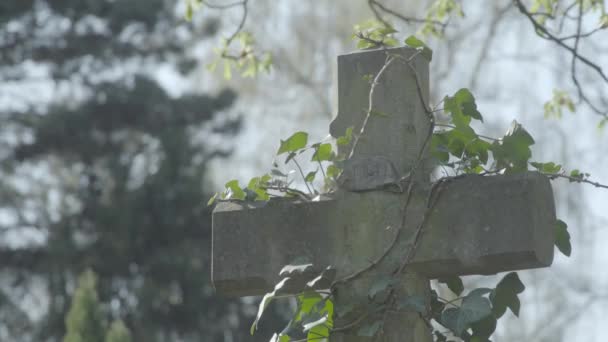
{"points": [[235, 190], [212, 199], [369, 329], [295, 142], [462, 107], [472, 309], [454, 284], [322, 152], [418, 44], [306, 303], [549, 167], [484, 328], [346, 138], [562, 238], [333, 171], [439, 146], [416, 303], [514, 151], [505, 295], [310, 177]]}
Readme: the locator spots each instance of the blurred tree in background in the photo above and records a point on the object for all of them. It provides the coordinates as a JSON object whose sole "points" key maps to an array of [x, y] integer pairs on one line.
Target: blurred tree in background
{"points": [[85, 321], [103, 167], [118, 333]]}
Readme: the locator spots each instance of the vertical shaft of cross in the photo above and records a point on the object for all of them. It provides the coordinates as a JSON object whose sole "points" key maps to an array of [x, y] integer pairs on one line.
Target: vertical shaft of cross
{"points": [[394, 325], [392, 130]]}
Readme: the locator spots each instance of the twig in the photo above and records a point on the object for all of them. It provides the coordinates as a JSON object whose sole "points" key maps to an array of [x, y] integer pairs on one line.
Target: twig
{"points": [[302, 174], [408, 20], [544, 33], [575, 179]]}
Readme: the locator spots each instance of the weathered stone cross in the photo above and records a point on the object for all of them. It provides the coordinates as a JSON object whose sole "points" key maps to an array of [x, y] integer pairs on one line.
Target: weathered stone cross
{"points": [[478, 225]]}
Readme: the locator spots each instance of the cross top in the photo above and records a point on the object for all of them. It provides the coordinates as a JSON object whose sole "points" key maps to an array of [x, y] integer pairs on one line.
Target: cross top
{"points": [[395, 132], [478, 225]]}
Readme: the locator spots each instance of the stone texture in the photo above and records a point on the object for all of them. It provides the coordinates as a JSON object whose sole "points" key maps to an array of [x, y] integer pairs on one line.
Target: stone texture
{"points": [[398, 135], [479, 225]]}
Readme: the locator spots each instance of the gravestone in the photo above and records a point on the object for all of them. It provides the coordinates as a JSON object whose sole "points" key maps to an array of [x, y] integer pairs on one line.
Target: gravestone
{"points": [[477, 225]]}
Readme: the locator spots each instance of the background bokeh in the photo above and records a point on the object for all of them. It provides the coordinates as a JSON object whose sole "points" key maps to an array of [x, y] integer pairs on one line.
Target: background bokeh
{"points": [[113, 135]]}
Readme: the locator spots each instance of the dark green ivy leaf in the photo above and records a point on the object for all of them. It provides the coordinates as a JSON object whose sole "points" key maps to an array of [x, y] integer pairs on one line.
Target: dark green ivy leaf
{"points": [[562, 238], [505, 295], [513, 152], [462, 107], [472, 309], [454, 284], [484, 328], [415, 303]]}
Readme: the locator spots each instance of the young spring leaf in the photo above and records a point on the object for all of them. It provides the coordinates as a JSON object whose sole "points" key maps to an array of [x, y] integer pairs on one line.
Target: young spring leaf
{"points": [[295, 142]]}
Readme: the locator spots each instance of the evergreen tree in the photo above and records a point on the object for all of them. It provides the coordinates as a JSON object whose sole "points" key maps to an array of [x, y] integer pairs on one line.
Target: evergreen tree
{"points": [[114, 166], [118, 333], [84, 321]]}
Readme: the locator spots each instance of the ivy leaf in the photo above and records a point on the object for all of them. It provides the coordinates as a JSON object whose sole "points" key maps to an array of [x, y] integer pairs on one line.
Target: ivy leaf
{"points": [[549, 167], [472, 309], [306, 303], [436, 306], [439, 149], [505, 295], [415, 303], [264, 304], [462, 106], [369, 329], [280, 338], [419, 45], [333, 171], [295, 142], [235, 190], [484, 328], [562, 238], [454, 284], [310, 177], [296, 270], [322, 152], [514, 151], [346, 138]]}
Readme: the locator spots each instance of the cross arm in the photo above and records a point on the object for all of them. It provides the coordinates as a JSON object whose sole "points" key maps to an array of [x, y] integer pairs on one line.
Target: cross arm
{"points": [[478, 225]]}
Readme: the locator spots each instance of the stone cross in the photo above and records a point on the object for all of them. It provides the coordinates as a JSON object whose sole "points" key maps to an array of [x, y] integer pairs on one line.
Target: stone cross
{"points": [[478, 224]]}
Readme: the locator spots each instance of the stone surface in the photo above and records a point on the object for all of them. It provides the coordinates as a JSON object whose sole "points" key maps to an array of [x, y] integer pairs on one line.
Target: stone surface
{"points": [[398, 132], [479, 225]]}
